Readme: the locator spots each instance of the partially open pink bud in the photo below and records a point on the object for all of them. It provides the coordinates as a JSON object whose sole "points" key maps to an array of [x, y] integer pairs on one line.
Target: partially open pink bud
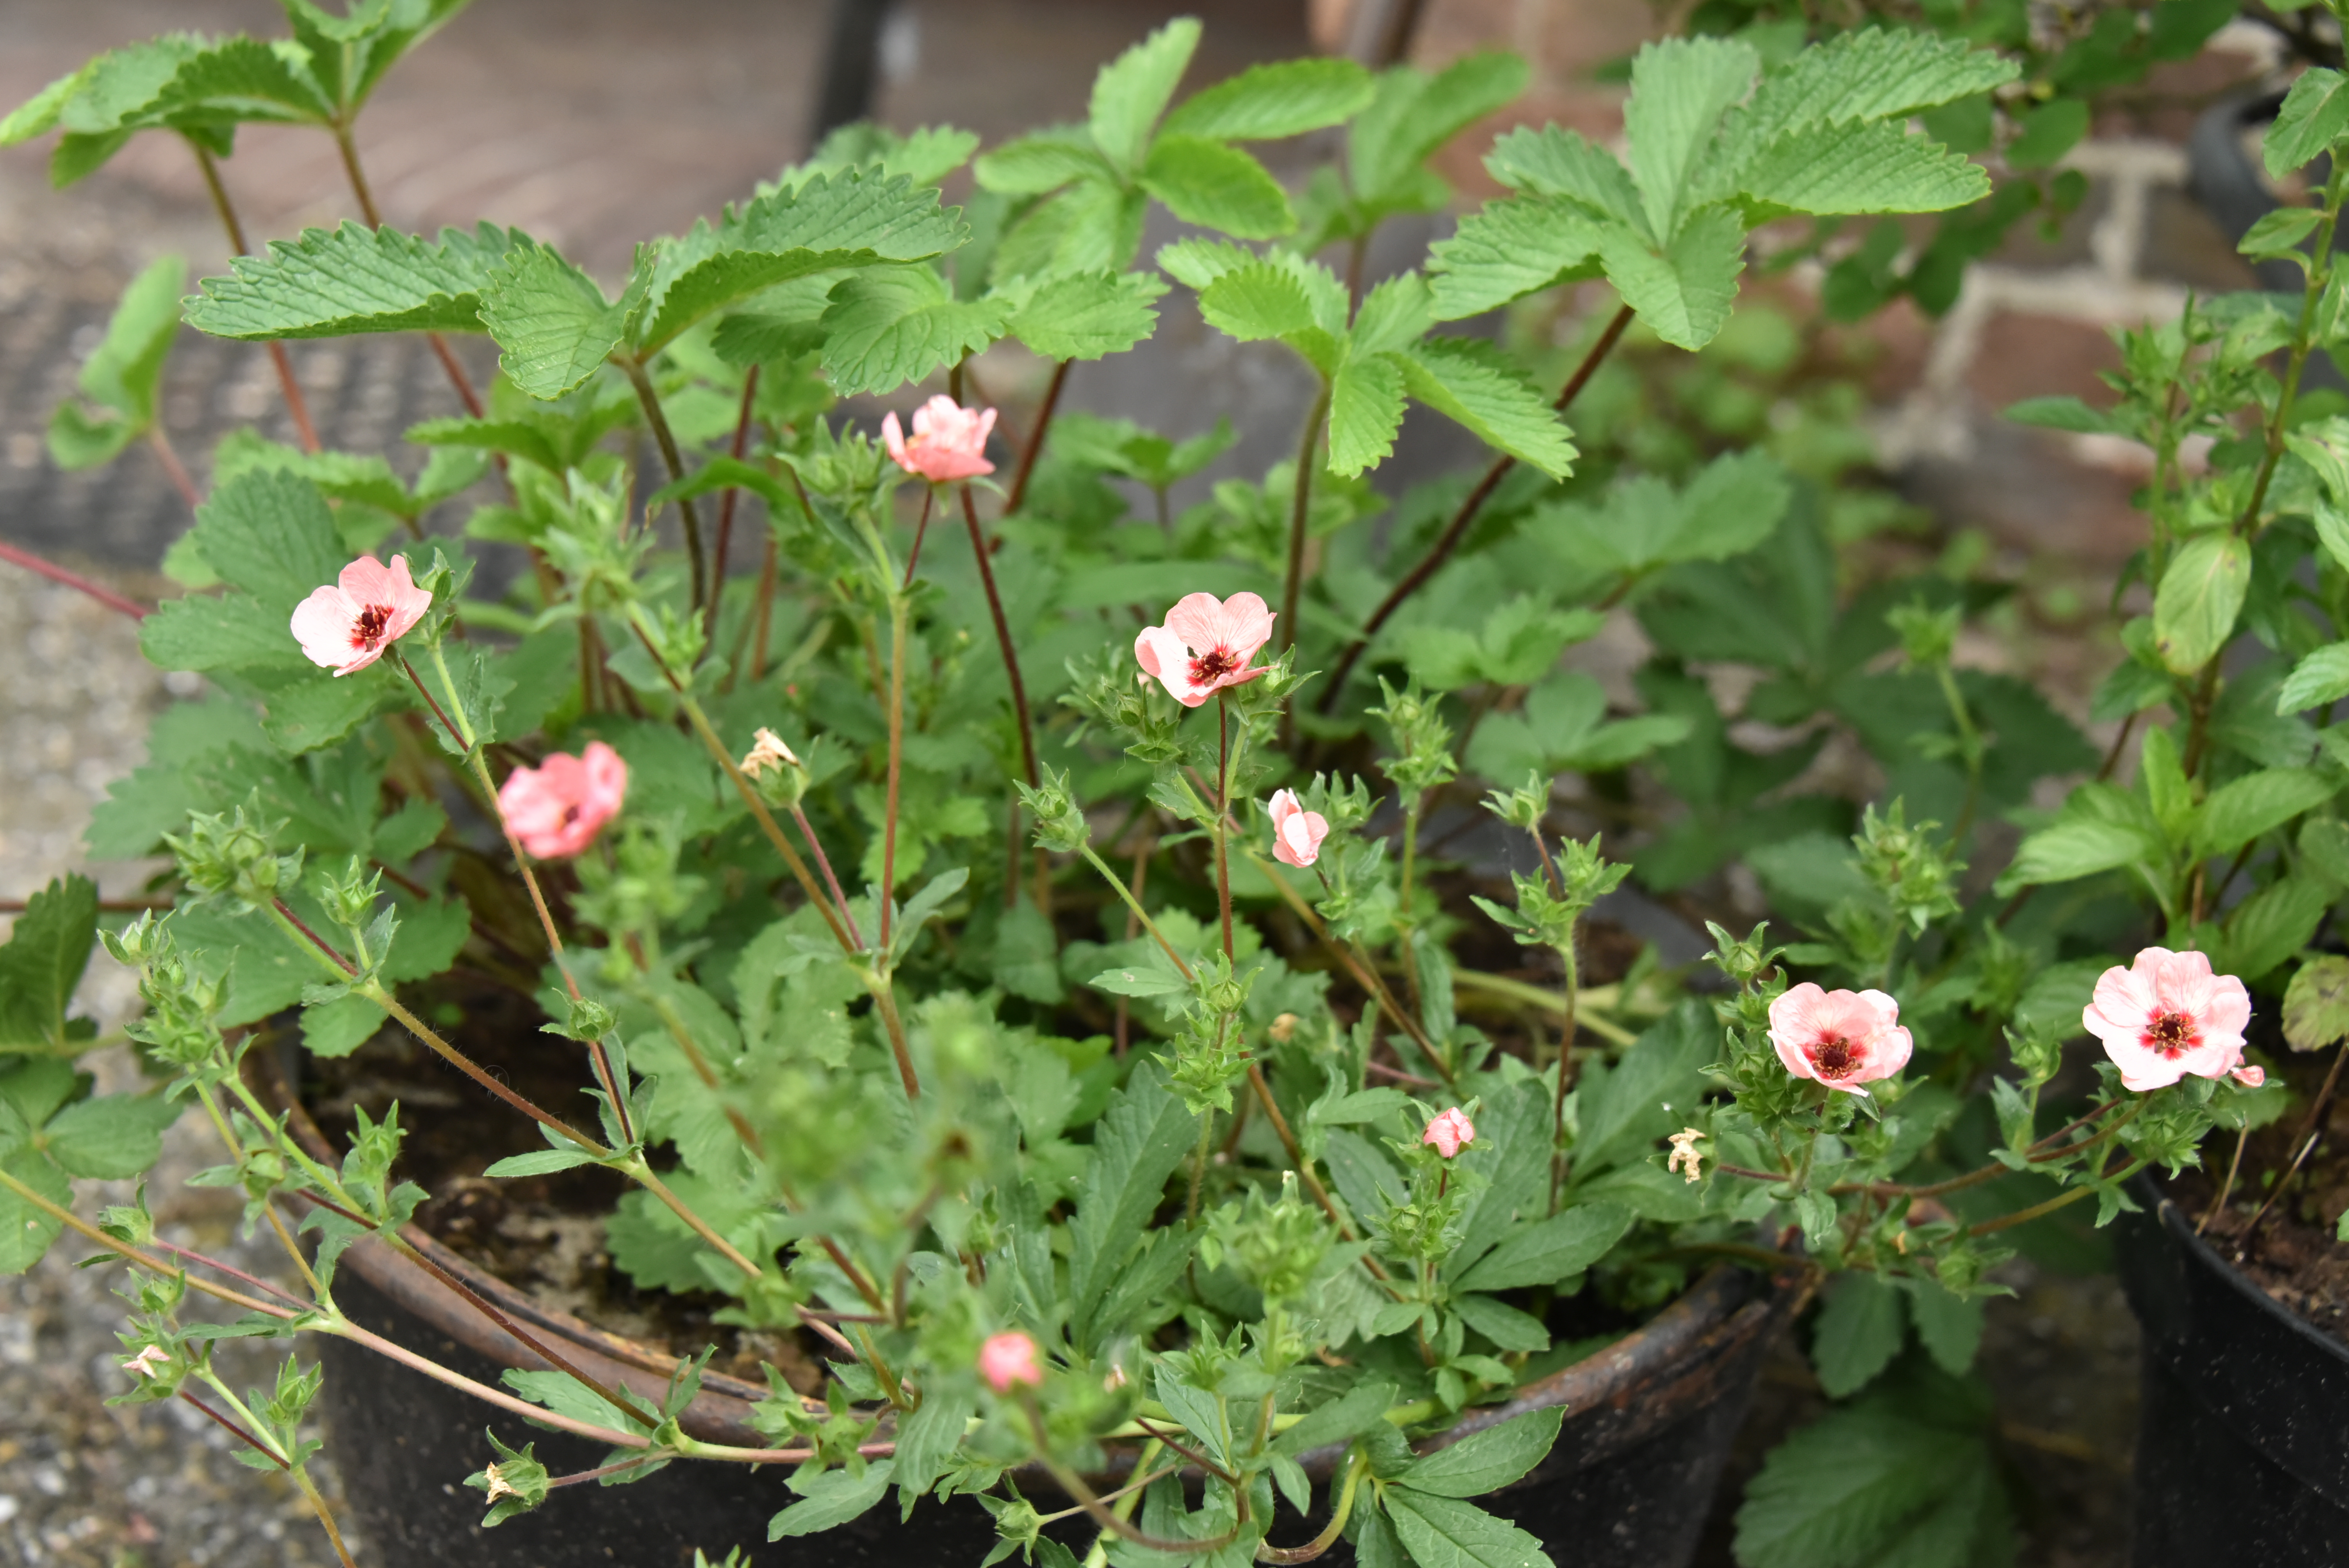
{"points": [[1839, 1038], [556, 808], [1296, 833], [347, 625], [1008, 1361], [148, 1363], [950, 441], [769, 752], [2169, 1015], [1450, 1132]]}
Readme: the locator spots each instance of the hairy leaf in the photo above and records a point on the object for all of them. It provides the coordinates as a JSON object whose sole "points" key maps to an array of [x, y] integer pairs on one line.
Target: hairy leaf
{"points": [[1680, 90], [895, 325], [552, 323], [1274, 100], [1365, 412], [1469, 382], [1088, 317], [48, 948], [354, 280], [1508, 250], [1685, 292], [1216, 187]]}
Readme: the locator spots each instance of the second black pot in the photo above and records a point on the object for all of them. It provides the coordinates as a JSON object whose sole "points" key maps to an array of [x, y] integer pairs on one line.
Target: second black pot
{"points": [[2243, 1434]]}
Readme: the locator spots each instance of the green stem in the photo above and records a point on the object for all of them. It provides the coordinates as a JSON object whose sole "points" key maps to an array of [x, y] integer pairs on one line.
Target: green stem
{"points": [[1199, 1166], [1969, 746], [1134, 904], [666, 439], [1564, 1071], [897, 612], [2024, 1216]]}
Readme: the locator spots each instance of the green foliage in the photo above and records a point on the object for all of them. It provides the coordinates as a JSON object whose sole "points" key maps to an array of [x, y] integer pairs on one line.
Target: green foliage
{"points": [[123, 375], [48, 948], [354, 280]]}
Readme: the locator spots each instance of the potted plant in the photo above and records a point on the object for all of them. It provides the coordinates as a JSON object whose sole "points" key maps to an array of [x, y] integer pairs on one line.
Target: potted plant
{"points": [[1166, 1207]]}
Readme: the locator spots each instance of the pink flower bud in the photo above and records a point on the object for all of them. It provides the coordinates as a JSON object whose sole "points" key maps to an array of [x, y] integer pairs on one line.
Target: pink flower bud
{"points": [[1204, 645], [950, 441], [1450, 1132], [556, 808], [1008, 1361], [1296, 833], [1839, 1038], [347, 625], [2168, 1015]]}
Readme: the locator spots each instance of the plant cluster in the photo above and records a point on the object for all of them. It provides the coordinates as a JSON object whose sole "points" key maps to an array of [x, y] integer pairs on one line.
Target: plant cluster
{"points": [[1176, 1123]]}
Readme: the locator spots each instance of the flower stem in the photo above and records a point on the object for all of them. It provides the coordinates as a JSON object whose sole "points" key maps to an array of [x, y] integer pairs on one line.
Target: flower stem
{"points": [[1300, 502], [727, 500], [1003, 638], [1222, 816], [1027, 453], [174, 469], [921, 528], [666, 439], [897, 616], [1356, 1468]]}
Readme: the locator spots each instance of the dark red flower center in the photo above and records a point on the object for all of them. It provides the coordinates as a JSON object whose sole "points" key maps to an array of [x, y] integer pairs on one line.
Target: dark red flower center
{"points": [[2171, 1034], [1836, 1057], [369, 629], [571, 813], [1213, 665]]}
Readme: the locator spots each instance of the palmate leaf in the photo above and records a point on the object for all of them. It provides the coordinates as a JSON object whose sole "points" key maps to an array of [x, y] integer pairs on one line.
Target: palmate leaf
{"points": [[895, 325], [354, 280], [854, 218], [1566, 165], [1088, 317], [1510, 250], [1680, 90], [1268, 102]]}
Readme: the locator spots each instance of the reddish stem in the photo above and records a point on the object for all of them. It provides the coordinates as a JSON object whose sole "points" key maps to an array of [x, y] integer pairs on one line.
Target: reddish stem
{"points": [[174, 469], [730, 495], [55, 573], [1035, 443], [1003, 637]]}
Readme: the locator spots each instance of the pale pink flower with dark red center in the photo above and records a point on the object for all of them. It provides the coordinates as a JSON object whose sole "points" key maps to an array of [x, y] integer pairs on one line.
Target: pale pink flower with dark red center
{"points": [[1839, 1038], [1296, 833], [347, 626], [1450, 1132], [2168, 1015], [1008, 1361], [1206, 645], [950, 441], [555, 809]]}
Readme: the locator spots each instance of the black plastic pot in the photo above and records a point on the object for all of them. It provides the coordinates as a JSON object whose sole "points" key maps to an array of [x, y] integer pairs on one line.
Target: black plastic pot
{"points": [[1649, 1426], [2243, 1434]]}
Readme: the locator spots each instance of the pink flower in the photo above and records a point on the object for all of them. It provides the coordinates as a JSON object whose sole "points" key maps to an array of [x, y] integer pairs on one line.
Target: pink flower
{"points": [[1450, 1132], [1206, 645], [1839, 1038], [2168, 1015], [149, 1363], [1008, 1361], [347, 626], [1296, 833], [950, 441], [556, 808]]}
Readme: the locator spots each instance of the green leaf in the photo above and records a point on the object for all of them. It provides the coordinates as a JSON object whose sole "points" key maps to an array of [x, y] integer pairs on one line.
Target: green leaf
{"points": [[1490, 1459], [2315, 114], [1732, 505], [323, 708], [855, 219], [1625, 1108], [894, 325], [2273, 924], [241, 80], [2316, 1004], [1136, 1146], [2319, 680], [538, 1162], [1550, 1251], [1216, 187], [1872, 168], [1859, 1331], [1470, 382], [2083, 844], [2063, 414], [515, 437], [1510, 249], [47, 950], [26, 1232], [208, 632], [122, 373], [1442, 1532], [1504, 1324], [338, 1027], [1948, 1326], [1027, 954], [1365, 412], [270, 533], [553, 325], [1088, 317], [1684, 294], [37, 115], [354, 280], [1132, 91], [2256, 803], [1413, 114], [1275, 100], [115, 1137], [1680, 90], [80, 439], [2200, 595], [1257, 301], [1568, 167], [1043, 162], [2049, 131]]}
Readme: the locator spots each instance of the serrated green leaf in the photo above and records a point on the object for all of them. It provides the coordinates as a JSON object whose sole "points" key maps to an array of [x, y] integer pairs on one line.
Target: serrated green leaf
{"points": [[1132, 91], [215, 632], [1043, 162], [1948, 1326], [1393, 315], [1567, 167], [1136, 1146], [239, 80], [1088, 317], [1490, 1459], [1277, 99], [1870, 1488], [1216, 187], [553, 325], [323, 709], [2316, 1004], [1365, 412], [2198, 599], [894, 325], [48, 948], [26, 1232], [1469, 382], [515, 437], [114, 1137], [2315, 114], [271, 535], [2273, 924], [1442, 1532], [1257, 301], [338, 1027], [1874, 168], [1413, 114], [1198, 263], [1684, 294], [2241, 810], [2319, 680], [1860, 1328], [37, 115], [123, 372], [1510, 250], [1680, 90], [354, 280], [1551, 1249]]}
